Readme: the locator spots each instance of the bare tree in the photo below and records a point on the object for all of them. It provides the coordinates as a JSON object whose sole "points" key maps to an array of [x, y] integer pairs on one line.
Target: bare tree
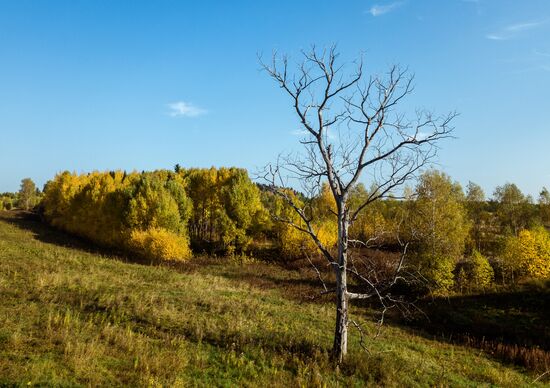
{"points": [[352, 132]]}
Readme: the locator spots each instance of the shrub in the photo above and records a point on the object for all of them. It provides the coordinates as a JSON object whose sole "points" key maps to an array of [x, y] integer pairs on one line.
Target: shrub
{"points": [[160, 244]]}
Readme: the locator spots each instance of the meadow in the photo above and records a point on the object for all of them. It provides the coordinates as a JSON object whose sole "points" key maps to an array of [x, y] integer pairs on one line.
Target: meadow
{"points": [[73, 315]]}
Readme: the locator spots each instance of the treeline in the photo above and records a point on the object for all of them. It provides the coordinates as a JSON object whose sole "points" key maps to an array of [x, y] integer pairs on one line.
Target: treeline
{"points": [[458, 240], [26, 198]]}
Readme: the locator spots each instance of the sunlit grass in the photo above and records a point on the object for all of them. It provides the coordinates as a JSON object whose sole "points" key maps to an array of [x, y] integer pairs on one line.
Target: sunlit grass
{"points": [[68, 317]]}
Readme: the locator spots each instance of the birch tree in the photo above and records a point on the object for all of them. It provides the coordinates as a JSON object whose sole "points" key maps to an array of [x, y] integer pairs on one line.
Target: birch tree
{"points": [[27, 194], [353, 133]]}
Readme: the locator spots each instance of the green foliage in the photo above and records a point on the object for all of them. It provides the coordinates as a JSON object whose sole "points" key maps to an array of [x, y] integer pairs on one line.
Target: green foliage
{"points": [[6, 203], [438, 270], [223, 211], [379, 221], [475, 206], [157, 201], [28, 194], [544, 206], [438, 219], [227, 208], [476, 273], [515, 211], [481, 273], [474, 193]]}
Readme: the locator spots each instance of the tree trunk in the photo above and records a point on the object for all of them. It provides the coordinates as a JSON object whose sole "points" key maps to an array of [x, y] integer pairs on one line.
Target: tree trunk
{"points": [[340, 347]]}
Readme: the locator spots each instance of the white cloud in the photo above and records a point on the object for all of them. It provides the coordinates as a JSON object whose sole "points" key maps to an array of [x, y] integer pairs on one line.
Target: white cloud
{"points": [[495, 37], [185, 109], [523, 26], [377, 10], [513, 30]]}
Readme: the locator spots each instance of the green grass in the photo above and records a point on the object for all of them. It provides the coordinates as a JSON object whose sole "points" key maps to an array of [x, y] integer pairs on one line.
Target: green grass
{"points": [[70, 317]]}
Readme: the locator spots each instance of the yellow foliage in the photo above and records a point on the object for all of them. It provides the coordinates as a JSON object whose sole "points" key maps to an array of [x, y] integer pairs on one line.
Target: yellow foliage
{"points": [[371, 224], [220, 206], [292, 241], [295, 243], [324, 204], [540, 268], [529, 253], [108, 207], [159, 243], [227, 208]]}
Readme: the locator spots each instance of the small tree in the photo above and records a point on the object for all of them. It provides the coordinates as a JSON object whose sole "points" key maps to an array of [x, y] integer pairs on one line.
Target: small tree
{"points": [[352, 130], [27, 194], [544, 206], [528, 254], [481, 273], [514, 210], [475, 201], [441, 225]]}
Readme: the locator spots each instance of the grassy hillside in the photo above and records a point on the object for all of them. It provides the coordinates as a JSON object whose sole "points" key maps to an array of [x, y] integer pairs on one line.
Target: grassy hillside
{"points": [[72, 317]]}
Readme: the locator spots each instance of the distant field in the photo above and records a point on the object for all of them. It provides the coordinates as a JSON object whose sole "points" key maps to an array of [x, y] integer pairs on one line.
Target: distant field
{"points": [[71, 317]]}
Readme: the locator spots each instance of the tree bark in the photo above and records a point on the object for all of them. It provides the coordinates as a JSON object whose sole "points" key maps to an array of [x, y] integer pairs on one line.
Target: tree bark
{"points": [[340, 347]]}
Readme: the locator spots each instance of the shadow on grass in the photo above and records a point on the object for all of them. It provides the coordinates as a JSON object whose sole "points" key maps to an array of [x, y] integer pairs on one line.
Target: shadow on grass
{"points": [[512, 326], [45, 233], [519, 317], [300, 285]]}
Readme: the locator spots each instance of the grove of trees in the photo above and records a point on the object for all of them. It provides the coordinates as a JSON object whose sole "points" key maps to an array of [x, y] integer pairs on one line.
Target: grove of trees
{"points": [[458, 241], [157, 214]]}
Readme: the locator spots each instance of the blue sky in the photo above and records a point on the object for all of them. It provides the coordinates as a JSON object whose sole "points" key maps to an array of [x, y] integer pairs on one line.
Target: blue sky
{"points": [[142, 85]]}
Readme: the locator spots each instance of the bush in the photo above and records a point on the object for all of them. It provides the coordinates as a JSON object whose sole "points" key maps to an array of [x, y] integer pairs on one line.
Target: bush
{"points": [[160, 244]]}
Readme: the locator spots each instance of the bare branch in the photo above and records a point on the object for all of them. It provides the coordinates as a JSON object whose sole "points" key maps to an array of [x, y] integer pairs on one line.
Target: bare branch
{"points": [[353, 132]]}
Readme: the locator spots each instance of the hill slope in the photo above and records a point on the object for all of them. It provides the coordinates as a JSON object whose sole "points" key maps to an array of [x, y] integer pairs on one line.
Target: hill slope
{"points": [[70, 317]]}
